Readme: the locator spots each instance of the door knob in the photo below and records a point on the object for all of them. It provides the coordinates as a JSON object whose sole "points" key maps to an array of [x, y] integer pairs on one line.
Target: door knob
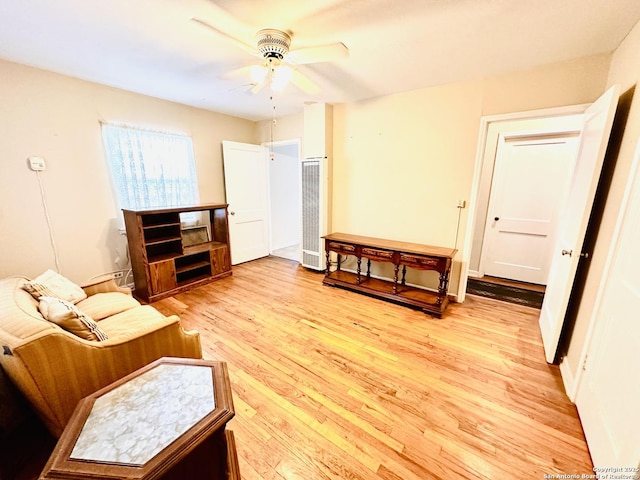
{"points": [[232, 213], [567, 252], [496, 218]]}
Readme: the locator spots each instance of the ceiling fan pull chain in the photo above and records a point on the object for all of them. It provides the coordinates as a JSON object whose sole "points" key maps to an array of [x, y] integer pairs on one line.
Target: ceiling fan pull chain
{"points": [[273, 125]]}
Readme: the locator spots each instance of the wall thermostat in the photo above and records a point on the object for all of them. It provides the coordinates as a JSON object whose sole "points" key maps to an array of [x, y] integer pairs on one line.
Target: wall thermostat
{"points": [[37, 164]]}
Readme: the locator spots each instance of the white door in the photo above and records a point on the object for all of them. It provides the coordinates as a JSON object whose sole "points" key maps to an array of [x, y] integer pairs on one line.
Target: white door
{"points": [[574, 218], [530, 181], [609, 391], [245, 177]]}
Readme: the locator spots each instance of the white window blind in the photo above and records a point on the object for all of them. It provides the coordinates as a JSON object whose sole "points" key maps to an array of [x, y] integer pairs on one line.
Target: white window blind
{"points": [[150, 169]]}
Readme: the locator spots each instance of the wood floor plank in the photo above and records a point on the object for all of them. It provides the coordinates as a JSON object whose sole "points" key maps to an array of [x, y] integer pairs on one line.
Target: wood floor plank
{"points": [[332, 384]]}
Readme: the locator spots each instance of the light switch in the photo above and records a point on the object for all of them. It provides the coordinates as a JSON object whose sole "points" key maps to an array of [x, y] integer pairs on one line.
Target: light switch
{"points": [[37, 164]]}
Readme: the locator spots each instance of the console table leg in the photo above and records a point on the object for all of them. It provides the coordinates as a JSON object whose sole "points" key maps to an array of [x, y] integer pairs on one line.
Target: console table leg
{"points": [[404, 274], [396, 269], [442, 288], [328, 263], [368, 268], [358, 270], [338, 263]]}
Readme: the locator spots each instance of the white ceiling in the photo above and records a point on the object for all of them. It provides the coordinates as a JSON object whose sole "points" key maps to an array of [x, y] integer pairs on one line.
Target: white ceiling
{"points": [[153, 47]]}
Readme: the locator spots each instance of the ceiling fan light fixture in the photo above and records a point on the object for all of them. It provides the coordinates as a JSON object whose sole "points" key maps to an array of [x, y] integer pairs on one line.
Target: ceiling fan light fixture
{"points": [[281, 77], [273, 43], [258, 74]]}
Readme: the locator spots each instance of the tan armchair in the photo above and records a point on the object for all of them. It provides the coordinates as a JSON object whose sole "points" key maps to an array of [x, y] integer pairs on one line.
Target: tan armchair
{"points": [[54, 369]]}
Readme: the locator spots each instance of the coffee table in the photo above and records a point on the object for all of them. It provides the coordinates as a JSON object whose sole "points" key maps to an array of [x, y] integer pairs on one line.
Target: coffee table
{"points": [[166, 420]]}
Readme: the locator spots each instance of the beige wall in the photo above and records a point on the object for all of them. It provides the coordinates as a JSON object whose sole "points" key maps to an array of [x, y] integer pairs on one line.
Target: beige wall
{"points": [[402, 161], [624, 71], [57, 117], [567, 83], [286, 128]]}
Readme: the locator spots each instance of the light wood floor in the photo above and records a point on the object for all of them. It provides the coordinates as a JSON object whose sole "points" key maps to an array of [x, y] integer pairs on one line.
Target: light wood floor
{"points": [[331, 384]]}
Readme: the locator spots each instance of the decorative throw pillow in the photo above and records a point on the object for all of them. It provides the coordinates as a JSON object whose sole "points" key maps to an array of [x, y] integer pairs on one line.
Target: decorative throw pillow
{"points": [[69, 317], [103, 305], [52, 284]]}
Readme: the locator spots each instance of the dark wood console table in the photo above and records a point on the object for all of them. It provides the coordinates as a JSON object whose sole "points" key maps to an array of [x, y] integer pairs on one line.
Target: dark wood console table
{"points": [[400, 254]]}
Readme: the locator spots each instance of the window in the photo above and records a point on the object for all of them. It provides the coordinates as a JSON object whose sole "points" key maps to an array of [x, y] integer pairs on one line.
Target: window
{"points": [[150, 169]]}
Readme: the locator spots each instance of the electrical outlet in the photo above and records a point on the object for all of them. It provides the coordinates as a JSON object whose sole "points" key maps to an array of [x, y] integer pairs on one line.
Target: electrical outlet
{"points": [[118, 275], [462, 203]]}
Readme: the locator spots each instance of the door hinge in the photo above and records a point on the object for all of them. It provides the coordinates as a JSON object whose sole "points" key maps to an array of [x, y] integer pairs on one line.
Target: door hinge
{"points": [[584, 362]]}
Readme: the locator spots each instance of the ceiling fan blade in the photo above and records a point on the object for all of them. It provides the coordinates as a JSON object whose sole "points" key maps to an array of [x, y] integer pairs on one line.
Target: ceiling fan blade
{"points": [[304, 83], [321, 53], [237, 42], [242, 72], [256, 74], [244, 88], [258, 86]]}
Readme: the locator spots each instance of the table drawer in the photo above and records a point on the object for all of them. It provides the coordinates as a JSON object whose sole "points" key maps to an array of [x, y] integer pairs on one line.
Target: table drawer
{"points": [[421, 262], [374, 253], [346, 248]]}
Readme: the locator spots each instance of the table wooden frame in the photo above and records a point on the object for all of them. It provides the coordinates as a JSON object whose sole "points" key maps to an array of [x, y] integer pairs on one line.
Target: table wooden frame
{"points": [[400, 254], [206, 450]]}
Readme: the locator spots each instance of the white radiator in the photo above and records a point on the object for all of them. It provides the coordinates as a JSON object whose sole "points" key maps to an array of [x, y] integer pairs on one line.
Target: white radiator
{"points": [[315, 211]]}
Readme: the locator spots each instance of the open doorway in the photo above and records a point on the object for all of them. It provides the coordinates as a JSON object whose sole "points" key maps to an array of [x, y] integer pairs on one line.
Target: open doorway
{"points": [[284, 198]]}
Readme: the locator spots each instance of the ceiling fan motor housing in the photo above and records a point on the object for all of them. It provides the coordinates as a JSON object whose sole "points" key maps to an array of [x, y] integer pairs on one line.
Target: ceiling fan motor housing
{"points": [[273, 43]]}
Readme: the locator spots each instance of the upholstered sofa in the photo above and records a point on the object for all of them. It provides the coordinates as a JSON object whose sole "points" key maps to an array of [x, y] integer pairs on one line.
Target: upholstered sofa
{"points": [[55, 368]]}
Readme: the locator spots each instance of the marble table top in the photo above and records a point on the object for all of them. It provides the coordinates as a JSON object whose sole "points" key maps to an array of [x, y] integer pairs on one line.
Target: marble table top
{"points": [[132, 423]]}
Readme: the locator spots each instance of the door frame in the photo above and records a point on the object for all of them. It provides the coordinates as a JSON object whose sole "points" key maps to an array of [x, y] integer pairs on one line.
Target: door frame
{"points": [[484, 162]]}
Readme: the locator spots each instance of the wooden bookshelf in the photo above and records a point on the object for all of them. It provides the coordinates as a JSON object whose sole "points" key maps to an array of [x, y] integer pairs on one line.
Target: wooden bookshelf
{"points": [[162, 265]]}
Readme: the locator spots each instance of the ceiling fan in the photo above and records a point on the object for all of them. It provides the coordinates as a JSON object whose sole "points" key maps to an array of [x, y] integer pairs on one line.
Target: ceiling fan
{"points": [[278, 63]]}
